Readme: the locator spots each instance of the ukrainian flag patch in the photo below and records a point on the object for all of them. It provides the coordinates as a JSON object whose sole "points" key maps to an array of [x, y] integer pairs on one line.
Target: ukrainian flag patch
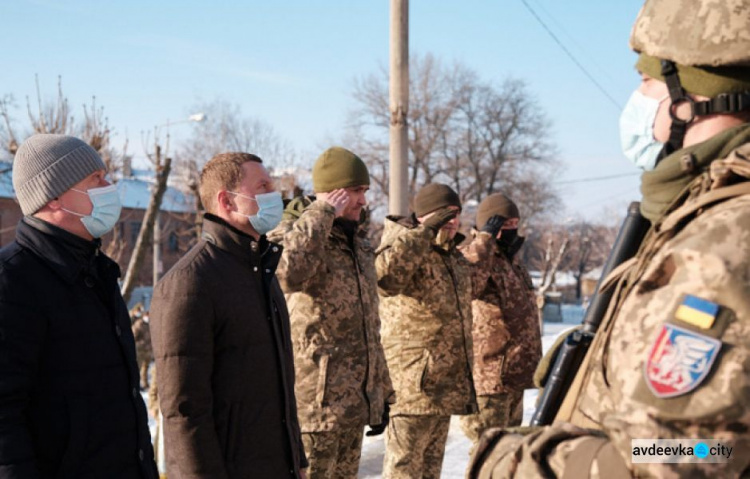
{"points": [[696, 311]]}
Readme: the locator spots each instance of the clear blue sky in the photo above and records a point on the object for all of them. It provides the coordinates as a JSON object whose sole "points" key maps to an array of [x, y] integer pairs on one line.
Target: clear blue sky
{"points": [[291, 63]]}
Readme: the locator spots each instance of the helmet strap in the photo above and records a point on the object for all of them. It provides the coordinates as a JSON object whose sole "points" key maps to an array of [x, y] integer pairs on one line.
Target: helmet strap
{"points": [[676, 95], [720, 104]]}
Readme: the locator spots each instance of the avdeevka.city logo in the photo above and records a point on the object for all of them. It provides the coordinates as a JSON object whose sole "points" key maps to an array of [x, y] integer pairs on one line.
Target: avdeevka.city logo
{"points": [[679, 451]]}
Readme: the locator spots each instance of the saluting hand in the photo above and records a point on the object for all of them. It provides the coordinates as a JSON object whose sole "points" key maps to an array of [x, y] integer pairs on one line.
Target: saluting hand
{"points": [[494, 224], [439, 218], [339, 199]]}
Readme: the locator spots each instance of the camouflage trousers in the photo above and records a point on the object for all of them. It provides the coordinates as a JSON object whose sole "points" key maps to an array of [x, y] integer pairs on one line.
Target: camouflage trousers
{"points": [[414, 446], [333, 454], [497, 410], [143, 364]]}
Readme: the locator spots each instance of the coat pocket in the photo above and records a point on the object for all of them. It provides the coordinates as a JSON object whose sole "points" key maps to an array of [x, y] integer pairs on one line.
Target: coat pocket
{"points": [[75, 450], [320, 390]]}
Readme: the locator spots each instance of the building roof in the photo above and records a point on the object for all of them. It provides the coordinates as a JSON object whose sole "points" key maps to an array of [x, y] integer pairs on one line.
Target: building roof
{"points": [[135, 192]]}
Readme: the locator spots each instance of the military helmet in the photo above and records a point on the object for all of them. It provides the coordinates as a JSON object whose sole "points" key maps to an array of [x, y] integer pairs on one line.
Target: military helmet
{"points": [[694, 32], [700, 47]]}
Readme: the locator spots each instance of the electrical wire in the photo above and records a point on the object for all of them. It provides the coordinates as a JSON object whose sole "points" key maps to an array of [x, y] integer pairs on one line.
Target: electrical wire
{"points": [[571, 56], [597, 178]]}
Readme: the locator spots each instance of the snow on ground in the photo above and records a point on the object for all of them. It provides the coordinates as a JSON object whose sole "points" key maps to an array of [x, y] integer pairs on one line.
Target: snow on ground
{"points": [[457, 447]]}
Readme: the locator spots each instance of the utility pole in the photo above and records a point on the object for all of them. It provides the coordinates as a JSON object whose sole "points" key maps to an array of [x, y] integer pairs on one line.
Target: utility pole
{"points": [[398, 195]]}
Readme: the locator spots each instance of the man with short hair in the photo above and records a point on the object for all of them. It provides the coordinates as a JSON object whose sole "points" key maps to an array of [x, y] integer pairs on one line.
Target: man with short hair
{"points": [[507, 339], [328, 274], [425, 288], [69, 397], [220, 334], [671, 357]]}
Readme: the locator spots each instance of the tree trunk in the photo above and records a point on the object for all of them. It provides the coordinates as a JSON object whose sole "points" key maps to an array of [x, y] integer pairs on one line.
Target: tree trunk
{"points": [[147, 227]]}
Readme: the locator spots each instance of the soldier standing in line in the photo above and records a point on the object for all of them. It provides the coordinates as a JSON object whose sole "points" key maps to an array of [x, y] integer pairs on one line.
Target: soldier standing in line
{"points": [[425, 288], [507, 340], [144, 354], [327, 272], [672, 354]]}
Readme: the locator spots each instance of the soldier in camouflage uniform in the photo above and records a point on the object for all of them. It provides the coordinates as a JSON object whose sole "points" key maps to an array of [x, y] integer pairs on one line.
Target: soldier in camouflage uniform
{"points": [[425, 305], [507, 340], [144, 354], [327, 272], [672, 355]]}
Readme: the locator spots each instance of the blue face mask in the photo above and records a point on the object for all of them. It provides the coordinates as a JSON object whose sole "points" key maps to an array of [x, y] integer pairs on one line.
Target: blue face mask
{"points": [[270, 209], [637, 130], [106, 211]]}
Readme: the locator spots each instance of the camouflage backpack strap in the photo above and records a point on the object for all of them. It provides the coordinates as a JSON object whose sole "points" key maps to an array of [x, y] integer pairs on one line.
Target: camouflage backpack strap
{"points": [[295, 207]]}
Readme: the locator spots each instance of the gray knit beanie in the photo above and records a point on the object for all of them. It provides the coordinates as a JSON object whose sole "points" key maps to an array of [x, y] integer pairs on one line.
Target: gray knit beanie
{"points": [[47, 166]]}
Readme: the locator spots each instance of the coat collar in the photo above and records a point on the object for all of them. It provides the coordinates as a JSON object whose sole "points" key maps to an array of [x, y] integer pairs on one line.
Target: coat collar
{"points": [[67, 254], [239, 244]]}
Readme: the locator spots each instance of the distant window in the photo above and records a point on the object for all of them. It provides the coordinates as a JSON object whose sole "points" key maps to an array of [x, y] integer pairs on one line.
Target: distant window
{"points": [[135, 228], [174, 242]]}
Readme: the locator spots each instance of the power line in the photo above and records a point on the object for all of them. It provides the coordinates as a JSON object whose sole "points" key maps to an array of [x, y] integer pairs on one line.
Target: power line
{"points": [[570, 55], [575, 42], [596, 178]]}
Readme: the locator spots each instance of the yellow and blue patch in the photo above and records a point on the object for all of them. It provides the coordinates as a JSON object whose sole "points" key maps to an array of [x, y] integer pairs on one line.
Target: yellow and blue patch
{"points": [[697, 311]]}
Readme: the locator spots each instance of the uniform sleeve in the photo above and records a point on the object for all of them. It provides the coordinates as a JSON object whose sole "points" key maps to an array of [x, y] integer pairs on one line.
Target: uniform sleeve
{"points": [[304, 245], [182, 335], [562, 450], [397, 262], [700, 387], [22, 335], [677, 373], [478, 254]]}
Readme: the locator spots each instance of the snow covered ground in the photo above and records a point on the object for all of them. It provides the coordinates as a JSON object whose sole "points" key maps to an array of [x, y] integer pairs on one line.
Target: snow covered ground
{"points": [[458, 446]]}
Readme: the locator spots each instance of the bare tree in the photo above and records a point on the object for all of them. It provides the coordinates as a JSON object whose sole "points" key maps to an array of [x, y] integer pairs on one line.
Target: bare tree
{"points": [[470, 134], [226, 128], [56, 117], [589, 247], [145, 235]]}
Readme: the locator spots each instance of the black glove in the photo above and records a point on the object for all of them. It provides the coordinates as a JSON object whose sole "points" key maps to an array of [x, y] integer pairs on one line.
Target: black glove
{"points": [[378, 429], [493, 225], [439, 219]]}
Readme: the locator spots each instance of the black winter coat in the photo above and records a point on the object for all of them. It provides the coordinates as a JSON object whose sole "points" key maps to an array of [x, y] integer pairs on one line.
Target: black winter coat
{"points": [[70, 406], [220, 334]]}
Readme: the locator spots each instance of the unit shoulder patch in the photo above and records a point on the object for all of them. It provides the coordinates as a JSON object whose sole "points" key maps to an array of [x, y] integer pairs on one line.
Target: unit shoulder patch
{"points": [[679, 360]]}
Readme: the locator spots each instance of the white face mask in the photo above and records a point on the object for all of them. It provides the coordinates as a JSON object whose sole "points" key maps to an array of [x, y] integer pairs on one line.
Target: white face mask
{"points": [[270, 210], [106, 210], [637, 130]]}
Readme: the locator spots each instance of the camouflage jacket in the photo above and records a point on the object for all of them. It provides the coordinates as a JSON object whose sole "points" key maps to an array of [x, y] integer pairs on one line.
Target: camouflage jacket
{"points": [[331, 292], [425, 306], [671, 359], [507, 340]]}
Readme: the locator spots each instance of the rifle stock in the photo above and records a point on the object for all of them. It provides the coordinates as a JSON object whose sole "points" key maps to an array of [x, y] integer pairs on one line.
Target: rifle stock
{"points": [[576, 345]]}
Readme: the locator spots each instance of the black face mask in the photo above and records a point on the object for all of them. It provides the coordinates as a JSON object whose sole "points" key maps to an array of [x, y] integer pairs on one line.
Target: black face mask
{"points": [[508, 237]]}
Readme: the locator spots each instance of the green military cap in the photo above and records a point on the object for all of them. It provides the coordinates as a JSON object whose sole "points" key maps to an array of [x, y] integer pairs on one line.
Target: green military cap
{"points": [[496, 204], [337, 168], [433, 197]]}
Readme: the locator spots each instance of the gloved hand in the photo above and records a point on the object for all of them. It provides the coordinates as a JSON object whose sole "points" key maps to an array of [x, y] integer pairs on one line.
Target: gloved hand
{"points": [[493, 225], [439, 219], [378, 429]]}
